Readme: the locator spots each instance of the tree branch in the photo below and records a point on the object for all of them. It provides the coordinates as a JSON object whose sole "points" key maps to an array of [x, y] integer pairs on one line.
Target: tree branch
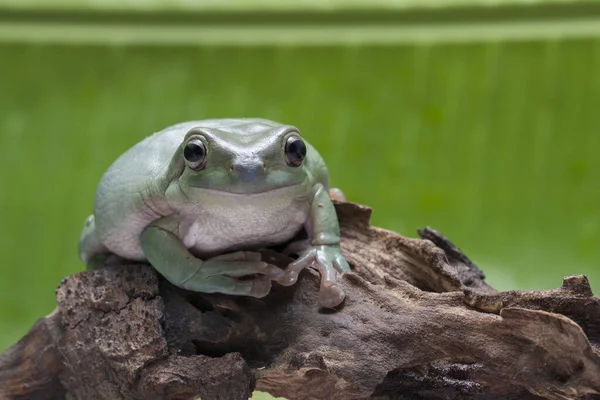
{"points": [[418, 322]]}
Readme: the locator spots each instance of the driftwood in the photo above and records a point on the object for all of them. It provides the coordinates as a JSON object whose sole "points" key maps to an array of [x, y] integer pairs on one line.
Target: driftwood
{"points": [[418, 322]]}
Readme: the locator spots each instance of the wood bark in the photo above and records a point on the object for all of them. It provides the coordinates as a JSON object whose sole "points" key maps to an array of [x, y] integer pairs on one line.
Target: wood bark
{"points": [[418, 322]]}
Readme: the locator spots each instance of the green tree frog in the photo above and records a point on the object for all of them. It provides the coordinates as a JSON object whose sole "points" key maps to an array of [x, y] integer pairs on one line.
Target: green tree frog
{"points": [[197, 199]]}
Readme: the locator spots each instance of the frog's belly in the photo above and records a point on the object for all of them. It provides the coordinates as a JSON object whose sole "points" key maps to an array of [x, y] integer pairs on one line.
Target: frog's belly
{"points": [[251, 223]]}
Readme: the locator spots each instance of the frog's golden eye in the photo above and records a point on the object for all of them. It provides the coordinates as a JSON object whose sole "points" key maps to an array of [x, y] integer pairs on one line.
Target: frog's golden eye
{"points": [[295, 151], [194, 153]]}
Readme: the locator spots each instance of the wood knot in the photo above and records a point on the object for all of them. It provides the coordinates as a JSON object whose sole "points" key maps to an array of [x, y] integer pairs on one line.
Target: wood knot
{"points": [[308, 361], [577, 285]]}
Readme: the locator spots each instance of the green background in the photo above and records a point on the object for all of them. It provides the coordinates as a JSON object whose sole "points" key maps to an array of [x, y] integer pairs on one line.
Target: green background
{"points": [[493, 143]]}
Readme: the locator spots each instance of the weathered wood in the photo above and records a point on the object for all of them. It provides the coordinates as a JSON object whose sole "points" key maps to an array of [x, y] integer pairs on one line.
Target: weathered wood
{"points": [[418, 322]]}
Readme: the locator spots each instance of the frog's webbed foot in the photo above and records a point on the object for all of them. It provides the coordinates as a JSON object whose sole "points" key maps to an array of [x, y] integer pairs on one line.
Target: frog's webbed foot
{"points": [[221, 274], [240, 273], [329, 261]]}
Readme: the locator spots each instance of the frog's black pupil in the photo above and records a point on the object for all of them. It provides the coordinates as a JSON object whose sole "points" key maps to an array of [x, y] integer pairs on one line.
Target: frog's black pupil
{"points": [[194, 152], [296, 151]]}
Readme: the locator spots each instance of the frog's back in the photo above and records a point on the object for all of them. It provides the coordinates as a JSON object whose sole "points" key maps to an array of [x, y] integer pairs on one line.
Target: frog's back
{"points": [[129, 196], [240, 126]]}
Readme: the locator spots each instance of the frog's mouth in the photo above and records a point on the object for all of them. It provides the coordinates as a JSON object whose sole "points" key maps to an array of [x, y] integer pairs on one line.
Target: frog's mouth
{"points": [[246, 183], [246, 189]]}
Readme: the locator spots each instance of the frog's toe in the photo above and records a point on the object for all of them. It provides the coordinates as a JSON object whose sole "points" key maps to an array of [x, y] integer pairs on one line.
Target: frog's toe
{"points": [[290, 275], [306, 258], [258, 286], [331, 296], [236, 265], [239, 256], [340, 264], [274, 272]]}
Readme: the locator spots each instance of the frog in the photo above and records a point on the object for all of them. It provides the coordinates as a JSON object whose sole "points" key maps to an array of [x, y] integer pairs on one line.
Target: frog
{"points": [[198, 201]]}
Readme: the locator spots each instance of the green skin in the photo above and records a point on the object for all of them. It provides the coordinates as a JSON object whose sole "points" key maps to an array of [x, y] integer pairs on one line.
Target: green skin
{"points": [[198, 226]]}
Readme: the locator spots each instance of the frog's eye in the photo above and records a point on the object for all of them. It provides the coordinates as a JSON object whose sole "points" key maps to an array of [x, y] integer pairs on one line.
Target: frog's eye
{"points": [[194, 153], [295, 151]]}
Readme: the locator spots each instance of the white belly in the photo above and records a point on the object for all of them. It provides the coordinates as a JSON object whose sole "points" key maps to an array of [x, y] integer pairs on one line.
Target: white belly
{"points": [[233, 222]]}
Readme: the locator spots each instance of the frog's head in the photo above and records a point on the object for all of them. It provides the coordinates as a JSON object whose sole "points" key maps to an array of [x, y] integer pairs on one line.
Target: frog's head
{"points": [[248, 158]]}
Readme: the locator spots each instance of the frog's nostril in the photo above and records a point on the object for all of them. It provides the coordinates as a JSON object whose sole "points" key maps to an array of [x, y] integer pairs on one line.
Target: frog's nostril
{"points": [[248, 171]]}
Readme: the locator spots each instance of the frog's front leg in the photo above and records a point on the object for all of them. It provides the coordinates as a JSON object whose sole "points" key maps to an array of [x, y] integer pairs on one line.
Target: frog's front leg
{"points": [[169, 256], [324, 252]]}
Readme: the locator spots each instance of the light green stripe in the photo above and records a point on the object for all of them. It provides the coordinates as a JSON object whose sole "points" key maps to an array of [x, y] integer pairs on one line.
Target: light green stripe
{"points": [[257, 5], [294, 35]]}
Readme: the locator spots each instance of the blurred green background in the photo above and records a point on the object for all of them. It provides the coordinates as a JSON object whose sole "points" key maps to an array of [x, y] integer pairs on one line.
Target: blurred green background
{"points": [[479, 121]]}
